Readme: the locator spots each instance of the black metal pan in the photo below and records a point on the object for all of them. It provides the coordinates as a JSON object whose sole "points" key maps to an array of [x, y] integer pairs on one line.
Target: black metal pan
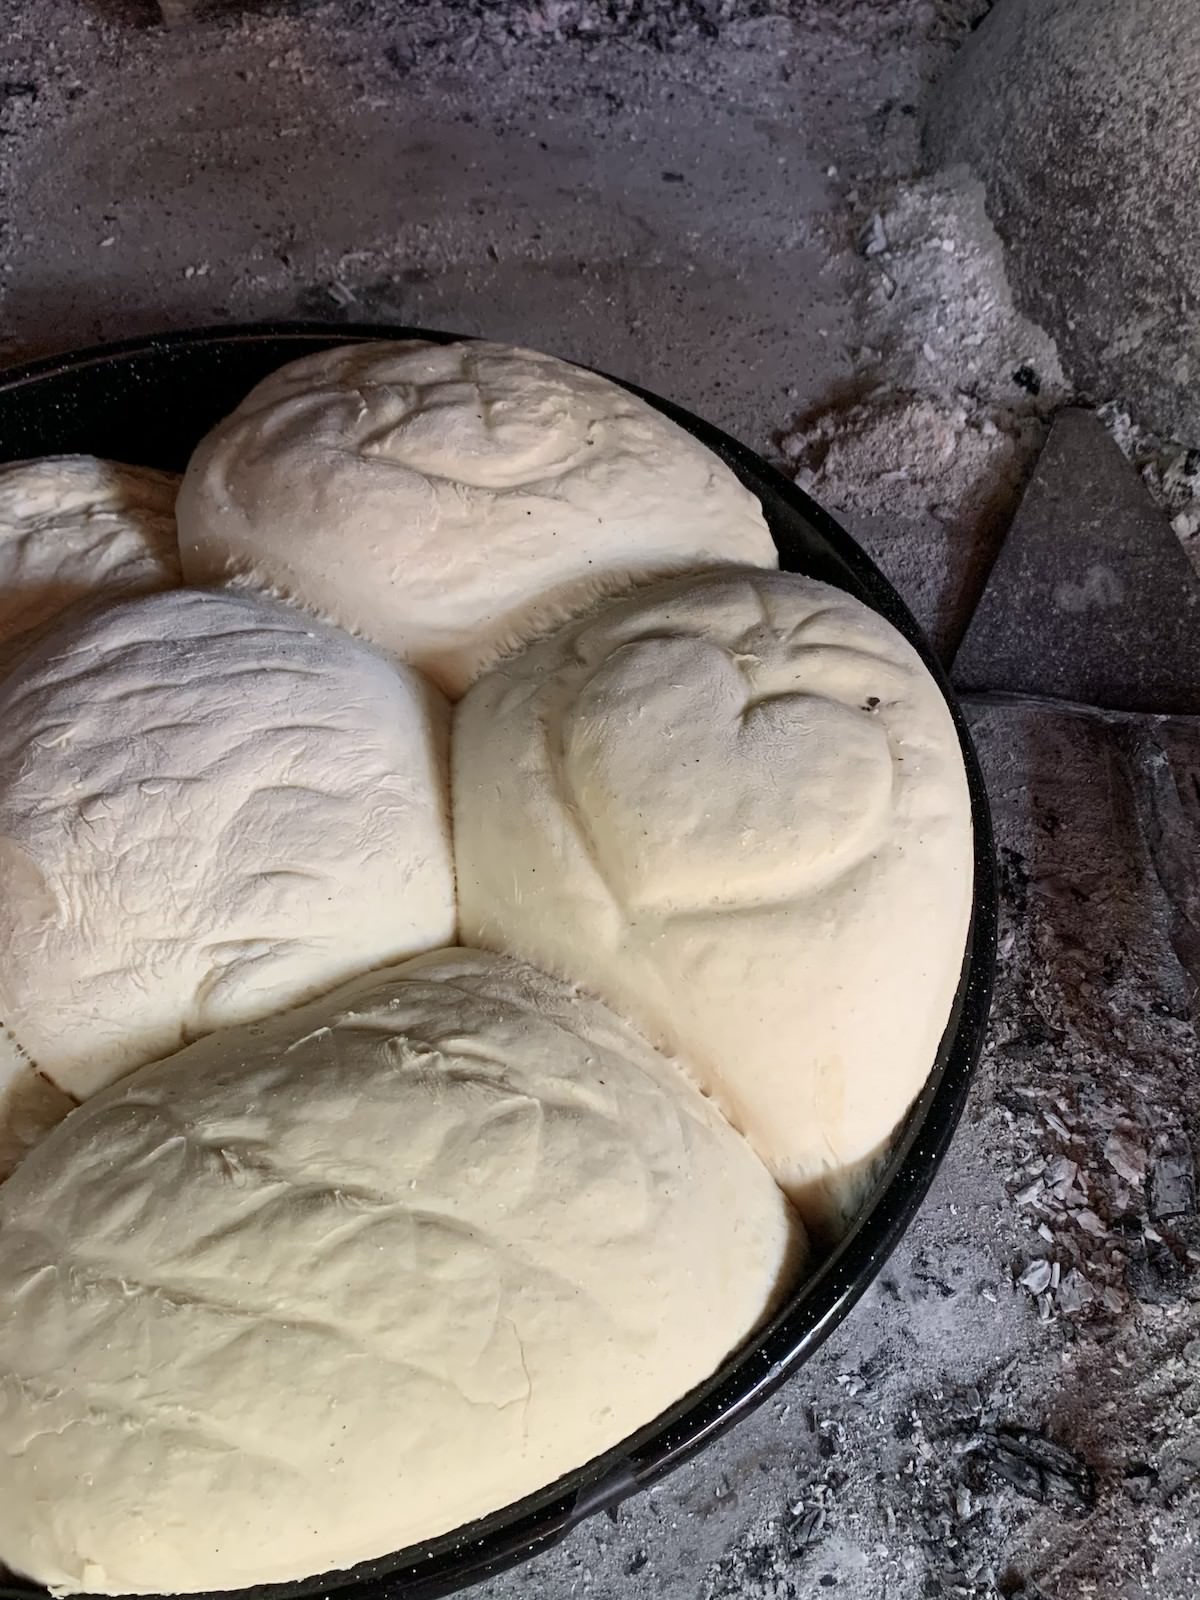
{"points": [[149, 402]]}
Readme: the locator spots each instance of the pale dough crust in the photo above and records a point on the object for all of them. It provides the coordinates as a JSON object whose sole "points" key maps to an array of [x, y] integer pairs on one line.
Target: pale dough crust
{"points": [[210, 807], [449, 501], [735, 807], [330, 1284]]}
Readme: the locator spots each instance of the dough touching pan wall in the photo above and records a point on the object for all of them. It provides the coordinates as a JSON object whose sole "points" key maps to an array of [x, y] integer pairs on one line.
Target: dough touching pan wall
{"points": [[735, 806]]}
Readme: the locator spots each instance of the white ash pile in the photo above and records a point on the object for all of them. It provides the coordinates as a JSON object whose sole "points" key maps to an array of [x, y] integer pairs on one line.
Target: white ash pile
{"points": [[949, 411]]}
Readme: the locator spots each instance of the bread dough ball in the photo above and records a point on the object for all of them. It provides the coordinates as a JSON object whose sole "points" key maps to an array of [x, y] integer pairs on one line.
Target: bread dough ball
{"points": [[333, 1283], [73, 528], [735, 807], [210, 807], [450, 500]]}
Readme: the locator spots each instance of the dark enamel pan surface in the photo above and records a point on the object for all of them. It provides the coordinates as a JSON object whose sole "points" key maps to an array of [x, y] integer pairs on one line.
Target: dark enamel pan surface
{"points": [[150, 401]]}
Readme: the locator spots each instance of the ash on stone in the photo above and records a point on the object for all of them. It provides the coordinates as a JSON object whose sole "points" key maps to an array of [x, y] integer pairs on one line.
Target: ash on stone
{"points": [[1180, 1474], [1092, 597], [1036, 1276], [1140, 1481], [1075, 1292], [1037, 1468], [1125, 1155]]}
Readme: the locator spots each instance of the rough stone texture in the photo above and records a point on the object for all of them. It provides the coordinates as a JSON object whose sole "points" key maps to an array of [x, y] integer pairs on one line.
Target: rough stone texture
{"points": [[646, 184], [1092, 597], [1082, 117]]}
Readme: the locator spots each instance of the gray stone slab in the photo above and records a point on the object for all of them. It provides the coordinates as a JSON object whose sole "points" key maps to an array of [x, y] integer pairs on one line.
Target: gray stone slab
{"points": [[1092, 597]]}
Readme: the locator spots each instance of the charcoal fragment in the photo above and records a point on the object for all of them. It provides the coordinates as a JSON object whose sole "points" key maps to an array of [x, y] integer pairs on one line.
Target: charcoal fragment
{"points": [[1153, 1272], [1037, 1468], [1172, 1191], [1155, 1275], [809, 1528]]}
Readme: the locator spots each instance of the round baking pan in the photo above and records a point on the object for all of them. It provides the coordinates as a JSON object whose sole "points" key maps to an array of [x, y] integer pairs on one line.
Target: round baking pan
{"points": [[150, 401]]}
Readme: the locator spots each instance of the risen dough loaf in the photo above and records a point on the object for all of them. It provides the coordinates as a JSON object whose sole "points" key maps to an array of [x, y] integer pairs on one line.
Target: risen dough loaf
{"points": [[734, 807], [449, 500], [332, 1283], [75, 528], [210, 807]]}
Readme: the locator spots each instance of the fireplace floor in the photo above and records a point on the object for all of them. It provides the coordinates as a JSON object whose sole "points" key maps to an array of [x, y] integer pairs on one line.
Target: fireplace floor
{"points": [[725, 203]]}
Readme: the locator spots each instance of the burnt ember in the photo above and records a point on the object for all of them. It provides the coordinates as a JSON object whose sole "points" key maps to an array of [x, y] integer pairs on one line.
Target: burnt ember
{"points": [[1037, 1468]]}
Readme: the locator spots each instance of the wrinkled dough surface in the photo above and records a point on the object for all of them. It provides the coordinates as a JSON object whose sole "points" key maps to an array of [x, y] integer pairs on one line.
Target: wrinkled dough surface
{"points": [[76, 529], [448, 501], [735, 807], [210, 807], [326, 1285]]}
